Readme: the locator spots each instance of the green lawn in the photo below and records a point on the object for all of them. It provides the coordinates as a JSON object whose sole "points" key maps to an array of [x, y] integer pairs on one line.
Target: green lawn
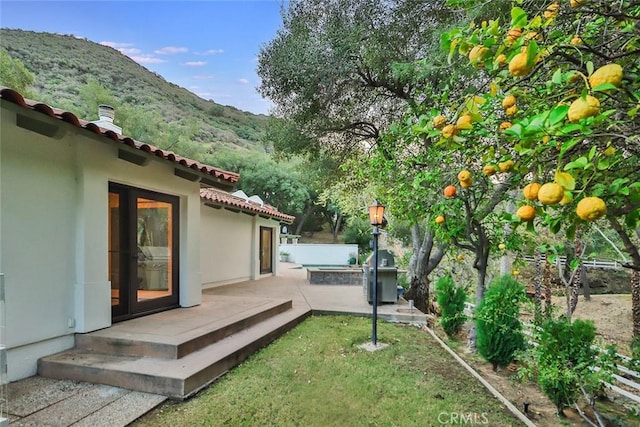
{"points": [[316, 375]]}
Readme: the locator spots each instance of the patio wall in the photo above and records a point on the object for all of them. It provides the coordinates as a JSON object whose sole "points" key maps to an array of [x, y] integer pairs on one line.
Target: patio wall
{"points": [[319, 254]]}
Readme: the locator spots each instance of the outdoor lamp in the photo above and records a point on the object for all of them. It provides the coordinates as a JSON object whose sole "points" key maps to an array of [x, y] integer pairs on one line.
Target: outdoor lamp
{"points": [[376, 214], [376, 217]]}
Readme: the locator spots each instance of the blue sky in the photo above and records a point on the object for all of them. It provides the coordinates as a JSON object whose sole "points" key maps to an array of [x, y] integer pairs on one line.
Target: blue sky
{"points": [[207, 47]]}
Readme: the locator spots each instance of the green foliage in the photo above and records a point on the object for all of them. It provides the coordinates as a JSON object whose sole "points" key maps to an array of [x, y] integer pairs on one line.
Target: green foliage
{"points": [[68, 69], [451, 299], [563, 359], [14, 74], [358, 231], [498, 321]]}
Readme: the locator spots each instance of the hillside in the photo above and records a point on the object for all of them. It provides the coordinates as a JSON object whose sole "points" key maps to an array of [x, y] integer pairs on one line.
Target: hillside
{"points": [[63, 64]]}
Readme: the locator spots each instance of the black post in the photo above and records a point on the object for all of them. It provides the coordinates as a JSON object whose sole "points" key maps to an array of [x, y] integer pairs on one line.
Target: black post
{"points": [[374, 334]]}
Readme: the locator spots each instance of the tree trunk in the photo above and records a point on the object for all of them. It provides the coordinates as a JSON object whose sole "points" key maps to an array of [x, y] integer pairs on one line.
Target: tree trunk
{"points": [[419, 293], [336, 228], [425, 258], [537, 284], [635, 303], [577, 276], [480, 264], [303, 218], [546, 280]]}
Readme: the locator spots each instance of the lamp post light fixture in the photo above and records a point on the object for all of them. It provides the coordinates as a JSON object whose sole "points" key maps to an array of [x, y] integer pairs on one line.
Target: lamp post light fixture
{"points": [[376, 217]]}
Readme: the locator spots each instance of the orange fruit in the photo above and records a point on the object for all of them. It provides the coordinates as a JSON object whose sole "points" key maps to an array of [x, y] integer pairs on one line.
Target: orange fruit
{"points": [[506, 166], [450, 191], [550, 193], [513, 35], [582, 108], [530, 191], [508, 101], [591, 208], [551, 11], [439, 219], [511, 111], [448, 131], [505, 125], [439, 122], [489, 170], [526, 213], [464, 175]]}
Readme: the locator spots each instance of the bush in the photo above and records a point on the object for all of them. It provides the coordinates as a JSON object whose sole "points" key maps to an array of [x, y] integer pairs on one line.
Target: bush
{"points": [[451, 300], [564, 356], [358, 231], [498, 322]]}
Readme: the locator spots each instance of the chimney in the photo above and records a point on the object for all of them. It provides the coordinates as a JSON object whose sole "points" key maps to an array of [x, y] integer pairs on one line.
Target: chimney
{"points": [[106, 114]]}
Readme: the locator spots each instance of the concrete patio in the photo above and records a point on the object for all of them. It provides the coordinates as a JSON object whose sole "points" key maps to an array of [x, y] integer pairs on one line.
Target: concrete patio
{"points": [[232, 322]]}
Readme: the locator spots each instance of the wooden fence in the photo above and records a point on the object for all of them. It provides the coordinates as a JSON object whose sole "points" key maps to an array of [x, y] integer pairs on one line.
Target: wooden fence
{"points": [[590, 263]]}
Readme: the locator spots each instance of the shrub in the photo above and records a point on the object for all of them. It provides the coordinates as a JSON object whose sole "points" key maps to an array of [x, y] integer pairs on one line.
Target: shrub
{"points": [[564, 356], [451, 300], [499, 331]]}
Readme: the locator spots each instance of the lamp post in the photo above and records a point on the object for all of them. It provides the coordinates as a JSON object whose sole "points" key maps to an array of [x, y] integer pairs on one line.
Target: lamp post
{"points": [[376, 217]]}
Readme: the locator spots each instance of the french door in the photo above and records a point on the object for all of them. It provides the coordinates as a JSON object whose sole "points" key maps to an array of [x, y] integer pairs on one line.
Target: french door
{"points": [[266, 250], [143, 251]]}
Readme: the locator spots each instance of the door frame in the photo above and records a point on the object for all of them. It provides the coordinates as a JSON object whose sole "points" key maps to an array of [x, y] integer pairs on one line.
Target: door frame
{"points": [[268, 267], [130, 306]]}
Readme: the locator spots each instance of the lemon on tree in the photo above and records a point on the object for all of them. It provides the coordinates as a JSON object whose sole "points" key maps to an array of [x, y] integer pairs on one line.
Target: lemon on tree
{"points": [[530, 191], [591, 208], [526, 213], [464, 122], [610, 73], [504, 126], [518, 65], [505, 166], [439, 122], [477, 53], [439, 219], [508, 101], [582, 108], [448, 131], [550, 193], [489, 170]]}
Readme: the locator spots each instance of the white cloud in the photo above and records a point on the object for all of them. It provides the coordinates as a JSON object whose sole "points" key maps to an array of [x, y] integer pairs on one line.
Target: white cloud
{"points": [[147, 59], [194, 63], [170, 50], [242, 81], [116, 45], [211, 52], [129, 51]]}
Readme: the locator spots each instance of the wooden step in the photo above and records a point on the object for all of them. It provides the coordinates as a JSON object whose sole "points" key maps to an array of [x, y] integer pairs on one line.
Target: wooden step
{"points": [[184, 337], [177, 378]]}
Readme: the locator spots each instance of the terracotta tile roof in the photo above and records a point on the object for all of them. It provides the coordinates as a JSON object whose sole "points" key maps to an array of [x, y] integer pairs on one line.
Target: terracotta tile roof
{"points": [[65, 116], [222, 198]]}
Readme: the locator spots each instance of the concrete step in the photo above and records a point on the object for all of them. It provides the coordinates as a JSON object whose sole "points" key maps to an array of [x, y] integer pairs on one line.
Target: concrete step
{"points": [[175, 378], [181, 341]]}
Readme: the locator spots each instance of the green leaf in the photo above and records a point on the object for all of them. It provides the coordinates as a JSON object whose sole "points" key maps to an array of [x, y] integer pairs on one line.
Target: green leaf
{"points": [[518, 17], [557, 77], [592, 153], [579, 163], [603, 87], [558, 114], [589, 68]]}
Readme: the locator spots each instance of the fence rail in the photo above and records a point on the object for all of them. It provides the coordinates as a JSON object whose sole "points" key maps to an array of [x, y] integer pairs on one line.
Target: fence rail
{"points": [[591, 263]]}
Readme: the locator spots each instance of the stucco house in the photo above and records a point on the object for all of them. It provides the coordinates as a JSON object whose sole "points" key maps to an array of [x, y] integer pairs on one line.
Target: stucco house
{"points": [[97, 228]]}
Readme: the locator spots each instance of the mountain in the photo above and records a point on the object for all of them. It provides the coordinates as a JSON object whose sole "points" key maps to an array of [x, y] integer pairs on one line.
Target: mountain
{"points": [[63, 65]]}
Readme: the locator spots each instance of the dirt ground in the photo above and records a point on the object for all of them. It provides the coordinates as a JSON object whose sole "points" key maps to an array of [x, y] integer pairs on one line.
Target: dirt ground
{"points": [[612, 317]]}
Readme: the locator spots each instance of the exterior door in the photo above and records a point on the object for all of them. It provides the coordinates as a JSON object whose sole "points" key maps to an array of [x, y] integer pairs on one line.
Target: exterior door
{"points": [[143, 251], [266, 250]]}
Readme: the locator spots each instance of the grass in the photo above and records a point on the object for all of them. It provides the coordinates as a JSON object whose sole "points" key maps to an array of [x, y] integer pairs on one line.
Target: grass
{"points": [[316, 375]]}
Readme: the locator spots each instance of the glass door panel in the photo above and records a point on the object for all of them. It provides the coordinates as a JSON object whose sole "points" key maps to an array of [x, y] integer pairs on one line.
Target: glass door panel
{"points": [[266, 245], [154, 234]]}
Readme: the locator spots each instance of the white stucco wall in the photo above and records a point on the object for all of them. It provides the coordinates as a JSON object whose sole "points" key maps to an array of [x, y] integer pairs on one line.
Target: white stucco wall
{"points": [[229, 243], [54, 235], [319, 254]]}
